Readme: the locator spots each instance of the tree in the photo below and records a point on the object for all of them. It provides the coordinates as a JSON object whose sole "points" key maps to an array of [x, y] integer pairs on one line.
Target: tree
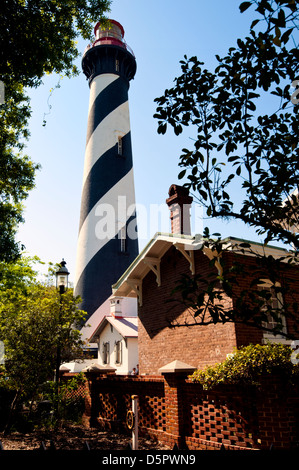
{"points": [[17, 171], [246, 143], [267, 300], [35, 323], [39, 38], [238, 149]]}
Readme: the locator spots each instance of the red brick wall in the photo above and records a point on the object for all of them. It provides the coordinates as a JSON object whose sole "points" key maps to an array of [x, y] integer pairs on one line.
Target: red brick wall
{"points": [[109, 398], [197, 345], [287, 275], [176, 411], [158, 344]]}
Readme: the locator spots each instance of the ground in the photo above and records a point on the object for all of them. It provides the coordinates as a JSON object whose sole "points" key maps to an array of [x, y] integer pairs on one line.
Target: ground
{"points": [[73, 438]]}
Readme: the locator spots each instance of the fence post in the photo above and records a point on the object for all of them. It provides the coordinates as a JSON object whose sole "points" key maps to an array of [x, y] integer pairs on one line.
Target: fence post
{"points": [[135, 427], [175, 374]]}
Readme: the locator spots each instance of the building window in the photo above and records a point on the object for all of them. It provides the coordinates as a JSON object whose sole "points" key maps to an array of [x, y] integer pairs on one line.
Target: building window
{"points": [[118, 352], [120, 146], [106, 349], [123, 240], [273, 302], [117, 65]]}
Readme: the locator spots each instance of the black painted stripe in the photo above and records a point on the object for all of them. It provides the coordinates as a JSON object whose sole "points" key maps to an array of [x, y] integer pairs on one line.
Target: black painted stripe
{"points": [[107, 101], [95, 283], [104, 175]]}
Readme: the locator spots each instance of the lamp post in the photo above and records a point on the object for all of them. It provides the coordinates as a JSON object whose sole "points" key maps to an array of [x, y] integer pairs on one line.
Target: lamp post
{"points": [[62, 278]]}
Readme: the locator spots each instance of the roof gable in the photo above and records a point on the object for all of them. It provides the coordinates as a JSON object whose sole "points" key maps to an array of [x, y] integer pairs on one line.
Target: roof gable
{"points": [[127, 327]]}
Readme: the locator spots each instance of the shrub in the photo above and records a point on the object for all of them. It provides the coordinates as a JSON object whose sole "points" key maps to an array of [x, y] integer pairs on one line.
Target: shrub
{"points": [[65, 404], [247, 365]]}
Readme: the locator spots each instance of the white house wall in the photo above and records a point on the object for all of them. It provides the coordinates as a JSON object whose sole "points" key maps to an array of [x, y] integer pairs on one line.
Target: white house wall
{"points": [[129, 350], [132, 353]]}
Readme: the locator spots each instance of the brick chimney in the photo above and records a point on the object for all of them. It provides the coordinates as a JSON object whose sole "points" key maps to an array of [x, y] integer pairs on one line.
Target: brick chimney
{"points": [[179, 203]]}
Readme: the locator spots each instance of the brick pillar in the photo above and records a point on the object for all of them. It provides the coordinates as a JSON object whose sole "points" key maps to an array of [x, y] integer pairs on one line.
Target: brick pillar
{"points": [[86, 418], [175, 375], [179, 203], [91, 373]]}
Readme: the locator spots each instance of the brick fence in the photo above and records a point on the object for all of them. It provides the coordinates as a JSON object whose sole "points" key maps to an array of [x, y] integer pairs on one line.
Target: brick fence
{"points": [[174, 410]]}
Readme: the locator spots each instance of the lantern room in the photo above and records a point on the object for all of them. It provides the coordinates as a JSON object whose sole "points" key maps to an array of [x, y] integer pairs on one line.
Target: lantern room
{"points": [[111, 33]]}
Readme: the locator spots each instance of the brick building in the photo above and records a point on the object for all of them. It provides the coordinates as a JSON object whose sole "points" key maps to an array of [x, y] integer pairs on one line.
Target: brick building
{"points": [[154, 274]]}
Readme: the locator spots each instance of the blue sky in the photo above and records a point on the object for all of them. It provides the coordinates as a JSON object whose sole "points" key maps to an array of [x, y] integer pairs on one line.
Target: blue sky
{"points": [[160, 32]]}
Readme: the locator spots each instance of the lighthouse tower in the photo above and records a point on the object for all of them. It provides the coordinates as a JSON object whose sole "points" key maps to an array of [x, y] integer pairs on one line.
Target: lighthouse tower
{"points": [[107, 242]]}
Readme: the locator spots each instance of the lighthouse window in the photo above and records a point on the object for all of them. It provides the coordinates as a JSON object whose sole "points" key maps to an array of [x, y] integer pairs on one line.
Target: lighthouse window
{"points": [[120, 146], [117, 65], [123, 240], [123, 245]]}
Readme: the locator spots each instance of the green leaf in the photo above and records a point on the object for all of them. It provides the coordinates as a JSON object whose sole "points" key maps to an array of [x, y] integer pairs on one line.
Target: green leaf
{"points": [[244, 245], [254, 23], [244, 6], [285, 37], [203, 194], [281, 18], [178, 129], [232, 159], [277, 41], [162, 128]]}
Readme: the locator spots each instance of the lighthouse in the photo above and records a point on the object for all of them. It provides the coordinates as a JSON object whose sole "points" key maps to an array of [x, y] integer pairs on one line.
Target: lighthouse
{"points": [[107, 240]]}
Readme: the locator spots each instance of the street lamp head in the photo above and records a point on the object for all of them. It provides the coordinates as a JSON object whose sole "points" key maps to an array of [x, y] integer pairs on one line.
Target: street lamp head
{"points": [[62, 277]]}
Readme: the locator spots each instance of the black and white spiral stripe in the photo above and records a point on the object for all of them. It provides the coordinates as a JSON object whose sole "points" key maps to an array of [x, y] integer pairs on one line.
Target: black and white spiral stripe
{"points": [[108, 179]]}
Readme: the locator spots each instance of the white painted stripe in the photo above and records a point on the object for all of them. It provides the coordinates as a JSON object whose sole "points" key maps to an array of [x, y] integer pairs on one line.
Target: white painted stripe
{"points": [[98, 84], [90, 239], [105, 136]]}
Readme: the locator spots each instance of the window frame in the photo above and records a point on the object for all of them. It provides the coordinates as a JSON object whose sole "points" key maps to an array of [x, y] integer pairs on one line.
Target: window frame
{"points": [[120, 146], [118, 352], [106, 352], [269, 335], [123, 240]]}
